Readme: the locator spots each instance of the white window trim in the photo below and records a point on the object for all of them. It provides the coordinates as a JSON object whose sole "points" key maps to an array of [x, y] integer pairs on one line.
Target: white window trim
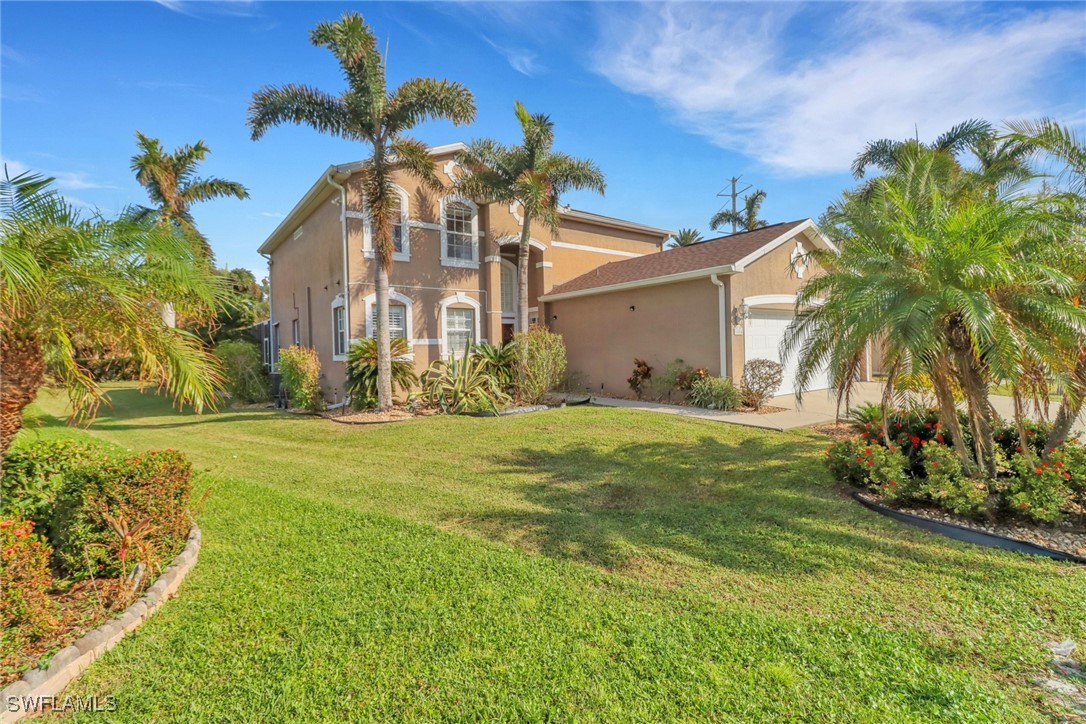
{"points": [[405, 224], [339, 302], [369, 302], [510, 316], [473, 263], [458, 298]]}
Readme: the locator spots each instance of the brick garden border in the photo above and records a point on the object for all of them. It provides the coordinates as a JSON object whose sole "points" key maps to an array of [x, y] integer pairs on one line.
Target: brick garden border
{"points": [[71, 661]]}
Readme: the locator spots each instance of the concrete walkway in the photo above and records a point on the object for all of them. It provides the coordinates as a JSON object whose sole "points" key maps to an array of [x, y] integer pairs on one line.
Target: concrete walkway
{"points": [[817, 407]]}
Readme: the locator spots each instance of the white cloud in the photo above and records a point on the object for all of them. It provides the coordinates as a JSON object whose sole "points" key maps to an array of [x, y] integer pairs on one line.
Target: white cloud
{"points": [[759, 79], [273, 214], [520, 59], [66, 180]]}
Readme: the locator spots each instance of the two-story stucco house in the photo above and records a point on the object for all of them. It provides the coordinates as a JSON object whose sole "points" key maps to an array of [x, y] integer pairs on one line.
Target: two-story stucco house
{"points": [[454, 276]]}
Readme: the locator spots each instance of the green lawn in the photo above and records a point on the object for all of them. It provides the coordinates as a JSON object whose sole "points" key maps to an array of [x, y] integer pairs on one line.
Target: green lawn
{"points": [[585, 563]]}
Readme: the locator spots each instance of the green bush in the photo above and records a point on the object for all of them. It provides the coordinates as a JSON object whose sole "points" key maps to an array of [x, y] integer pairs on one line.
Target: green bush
{"points": [[1007, 438], [300, 372], [33, 473], [26, 611], [362, 371], [1038, 490], [463, 384], [715, 393], [946, 485], [864, 465], [846, 462], [243, 368], [148, 493], [761, 380], [541, 362], [1073, 456]]}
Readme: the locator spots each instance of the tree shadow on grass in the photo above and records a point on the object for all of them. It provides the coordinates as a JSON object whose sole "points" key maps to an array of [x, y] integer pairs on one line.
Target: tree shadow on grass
{"points": [[129, 403], [762, 505]]}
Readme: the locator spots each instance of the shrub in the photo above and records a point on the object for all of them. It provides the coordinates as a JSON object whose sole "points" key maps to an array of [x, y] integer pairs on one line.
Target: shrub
{"points": [[846, 463], [26, 611], [243, 365], [945, 484], [110, 369], [668, 382], [96, 498], [1073, 456], [686, 379], [1038, 490], [362, 370], [642, 373], [541, 358], [500, 360], [761, 380], [715, 393], [860, 464], [300, 372], [1007, 438], [463, 385], [33, 473]]}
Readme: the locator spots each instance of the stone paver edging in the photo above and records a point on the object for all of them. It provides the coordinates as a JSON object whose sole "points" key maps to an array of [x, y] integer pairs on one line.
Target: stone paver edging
{"points": [[71, 661]]}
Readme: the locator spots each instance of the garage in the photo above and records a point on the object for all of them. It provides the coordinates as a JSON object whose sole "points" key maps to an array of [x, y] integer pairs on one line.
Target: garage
{"points": [[763, 332]]}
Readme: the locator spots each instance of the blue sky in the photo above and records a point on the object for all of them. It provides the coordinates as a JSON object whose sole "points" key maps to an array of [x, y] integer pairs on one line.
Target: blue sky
{"points": [[669, 99]]}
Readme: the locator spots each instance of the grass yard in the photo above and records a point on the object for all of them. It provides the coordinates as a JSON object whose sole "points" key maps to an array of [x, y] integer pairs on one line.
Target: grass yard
{"points": [[586, 563]]}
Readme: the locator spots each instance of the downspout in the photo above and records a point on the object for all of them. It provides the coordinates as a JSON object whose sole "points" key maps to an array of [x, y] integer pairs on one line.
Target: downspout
{"points": [[343, 234], [722, 319]]}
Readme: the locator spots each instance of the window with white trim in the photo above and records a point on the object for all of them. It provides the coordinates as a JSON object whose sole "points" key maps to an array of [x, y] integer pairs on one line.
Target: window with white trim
{"points": [[508, 284], [460, 239], [397, 321], [339, 331], [295, 332], [398, 226], [459, 330]]}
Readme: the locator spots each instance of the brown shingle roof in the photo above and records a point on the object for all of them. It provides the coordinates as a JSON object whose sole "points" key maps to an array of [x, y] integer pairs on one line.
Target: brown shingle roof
{"points": [[706, 255]]}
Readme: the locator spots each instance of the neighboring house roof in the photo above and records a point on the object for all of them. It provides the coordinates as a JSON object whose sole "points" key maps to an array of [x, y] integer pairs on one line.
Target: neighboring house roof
{"points": [[726, 255], [341, 172]]}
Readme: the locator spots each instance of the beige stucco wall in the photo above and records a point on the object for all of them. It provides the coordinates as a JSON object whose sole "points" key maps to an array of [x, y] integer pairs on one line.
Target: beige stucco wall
{"points": [[669, 321], [315, 261]]}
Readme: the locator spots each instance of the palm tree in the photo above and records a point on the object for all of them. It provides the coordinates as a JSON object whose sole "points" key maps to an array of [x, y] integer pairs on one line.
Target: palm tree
{"points": [[72, 278], [532, 174], [368, 112], [745, 219], [964, 288], [685, 237], [886, 153], [173, 187], [1066, 147]]}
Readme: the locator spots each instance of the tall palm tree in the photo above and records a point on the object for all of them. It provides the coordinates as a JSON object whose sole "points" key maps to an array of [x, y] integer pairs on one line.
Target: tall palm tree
{"points": [[368, 112], [963, 288], [173, 186], [532, 174], [1065, 146], [886, 153], [70, 277], [685, 237], [746, 218]]}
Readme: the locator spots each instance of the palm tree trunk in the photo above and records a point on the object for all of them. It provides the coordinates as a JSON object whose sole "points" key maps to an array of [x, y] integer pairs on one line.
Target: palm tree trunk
{"points": [[1071, 406], [975, 388], [522, 271], [384, 342], [22, 372], [948, 411]]}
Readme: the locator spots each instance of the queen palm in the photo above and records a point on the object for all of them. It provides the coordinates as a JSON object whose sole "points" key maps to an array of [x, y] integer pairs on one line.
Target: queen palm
{"points": [[368, 112], [69, 277], [685, 237], [745, 218], [531, 174], [965, 289], [173, 186]]}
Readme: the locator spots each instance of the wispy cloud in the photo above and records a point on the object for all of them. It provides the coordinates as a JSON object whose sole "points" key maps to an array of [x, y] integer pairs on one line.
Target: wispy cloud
{"points": [[522, 60], [12, 55], [202, 8], [759, 80], [273, 214], [65, 180]]}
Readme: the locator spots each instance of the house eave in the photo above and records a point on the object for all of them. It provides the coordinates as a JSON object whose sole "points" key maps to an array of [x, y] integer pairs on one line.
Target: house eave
{"points": [[705, 273]]}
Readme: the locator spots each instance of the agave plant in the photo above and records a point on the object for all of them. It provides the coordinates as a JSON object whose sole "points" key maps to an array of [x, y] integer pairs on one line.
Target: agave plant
{"points": [[499, 360], [463, 384], [362, 369]]}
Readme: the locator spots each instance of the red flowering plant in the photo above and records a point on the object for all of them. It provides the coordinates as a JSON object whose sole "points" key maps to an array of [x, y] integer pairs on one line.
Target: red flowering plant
{"points": [[945, 483], [864, 465], [1009, 441], [26, 611], [1039, 489]]}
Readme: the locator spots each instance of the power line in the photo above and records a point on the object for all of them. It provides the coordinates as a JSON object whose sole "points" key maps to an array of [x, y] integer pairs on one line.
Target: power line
{"points": [[734, 194]]}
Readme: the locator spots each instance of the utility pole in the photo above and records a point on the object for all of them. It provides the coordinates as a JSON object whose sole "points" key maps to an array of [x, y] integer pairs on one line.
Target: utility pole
{"points": [[734, 195]]}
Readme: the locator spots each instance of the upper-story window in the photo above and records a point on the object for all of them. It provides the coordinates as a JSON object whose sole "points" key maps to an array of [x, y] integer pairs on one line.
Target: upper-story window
{"points": [[459, 233], [401, 227]]}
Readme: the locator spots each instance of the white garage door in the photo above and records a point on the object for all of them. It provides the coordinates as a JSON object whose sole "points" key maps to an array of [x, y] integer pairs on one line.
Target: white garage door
{"points": [[764, 332]]}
